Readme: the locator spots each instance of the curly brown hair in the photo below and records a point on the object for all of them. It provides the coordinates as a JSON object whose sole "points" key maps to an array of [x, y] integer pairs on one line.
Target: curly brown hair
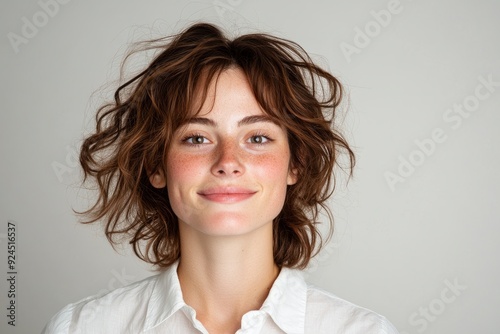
{"points": [[133, 135]]}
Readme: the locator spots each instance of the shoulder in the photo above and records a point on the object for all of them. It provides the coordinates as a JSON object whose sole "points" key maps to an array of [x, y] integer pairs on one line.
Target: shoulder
{"points": [[117, 311], [327, 313]]}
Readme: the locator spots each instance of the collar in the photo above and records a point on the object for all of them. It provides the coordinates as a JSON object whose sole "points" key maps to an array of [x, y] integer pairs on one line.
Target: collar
{"points": [[166, 298], [285, 304]]}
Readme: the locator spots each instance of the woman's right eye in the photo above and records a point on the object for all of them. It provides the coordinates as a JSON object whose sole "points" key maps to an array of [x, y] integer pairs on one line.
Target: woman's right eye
{"points": [[195, 140]]}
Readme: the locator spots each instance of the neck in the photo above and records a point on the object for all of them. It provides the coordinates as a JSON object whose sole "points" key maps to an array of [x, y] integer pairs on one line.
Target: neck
{"points": [[223, 277]]}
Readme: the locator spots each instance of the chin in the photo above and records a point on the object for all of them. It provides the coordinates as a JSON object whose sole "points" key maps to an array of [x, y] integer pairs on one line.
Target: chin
{"points": [[228, 224]]}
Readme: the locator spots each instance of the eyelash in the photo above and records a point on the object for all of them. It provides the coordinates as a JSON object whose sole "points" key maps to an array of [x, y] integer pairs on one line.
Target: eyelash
{"points": [[261, 134], [186, 139]]}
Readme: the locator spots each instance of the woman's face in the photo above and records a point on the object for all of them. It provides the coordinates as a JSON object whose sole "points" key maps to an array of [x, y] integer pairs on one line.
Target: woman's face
{"points": [[227, 169]]}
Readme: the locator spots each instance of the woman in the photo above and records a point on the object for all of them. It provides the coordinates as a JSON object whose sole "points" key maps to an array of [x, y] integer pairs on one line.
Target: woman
{"points": [[214, 161]]}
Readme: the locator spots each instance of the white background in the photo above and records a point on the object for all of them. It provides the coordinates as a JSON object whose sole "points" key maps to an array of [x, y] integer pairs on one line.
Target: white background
{"points": [[395, 250]]}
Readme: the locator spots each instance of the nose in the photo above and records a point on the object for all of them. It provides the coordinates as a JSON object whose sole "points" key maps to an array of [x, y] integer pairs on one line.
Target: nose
{"points": [[228, 160]]}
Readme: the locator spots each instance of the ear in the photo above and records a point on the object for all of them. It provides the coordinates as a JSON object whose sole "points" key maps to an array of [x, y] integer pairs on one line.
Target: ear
{"points": [[157, 179], [292, 176]]}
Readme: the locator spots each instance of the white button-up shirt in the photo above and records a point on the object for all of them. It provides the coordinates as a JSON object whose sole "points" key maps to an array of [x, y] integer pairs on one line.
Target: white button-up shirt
{"points": [[156, 305]]}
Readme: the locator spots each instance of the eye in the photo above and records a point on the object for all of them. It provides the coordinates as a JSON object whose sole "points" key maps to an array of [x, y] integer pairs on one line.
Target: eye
{"points": [[195, 140], [259, 139]]}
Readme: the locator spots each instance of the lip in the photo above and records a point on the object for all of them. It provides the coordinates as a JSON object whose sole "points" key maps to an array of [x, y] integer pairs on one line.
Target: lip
{"points": [[226, 194]]}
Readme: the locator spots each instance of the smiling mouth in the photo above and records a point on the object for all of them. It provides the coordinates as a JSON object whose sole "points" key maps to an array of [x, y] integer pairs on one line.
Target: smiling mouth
{"points": [[227, 194]]}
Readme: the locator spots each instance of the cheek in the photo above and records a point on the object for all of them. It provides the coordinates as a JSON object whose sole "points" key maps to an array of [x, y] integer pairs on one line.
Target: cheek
{"points": [[273, 171], [271, 167], [182, 171]]}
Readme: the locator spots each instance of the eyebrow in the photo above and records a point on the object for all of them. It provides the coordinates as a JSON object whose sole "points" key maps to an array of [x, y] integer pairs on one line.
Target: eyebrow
{"points": [[245, 121]]}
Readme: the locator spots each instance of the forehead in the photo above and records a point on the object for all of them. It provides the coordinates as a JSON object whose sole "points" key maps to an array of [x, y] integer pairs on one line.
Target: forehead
{"points": [[227, 94]]}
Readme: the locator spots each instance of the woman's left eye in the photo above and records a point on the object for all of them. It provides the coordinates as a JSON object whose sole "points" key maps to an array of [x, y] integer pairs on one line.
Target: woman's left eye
{"points": [[259, 139]]}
